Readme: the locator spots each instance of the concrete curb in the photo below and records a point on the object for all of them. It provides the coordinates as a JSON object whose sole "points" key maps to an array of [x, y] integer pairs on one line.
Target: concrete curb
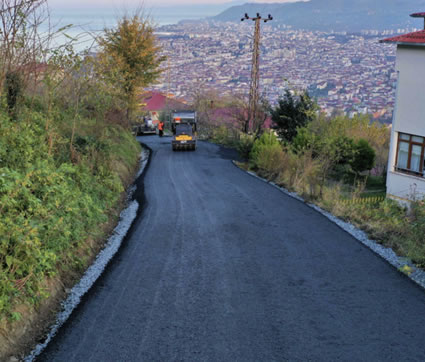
{"points": [[417, 275]]}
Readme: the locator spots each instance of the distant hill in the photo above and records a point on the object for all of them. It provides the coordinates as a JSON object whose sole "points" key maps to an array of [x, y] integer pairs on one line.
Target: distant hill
{"points": [[336, 15]]}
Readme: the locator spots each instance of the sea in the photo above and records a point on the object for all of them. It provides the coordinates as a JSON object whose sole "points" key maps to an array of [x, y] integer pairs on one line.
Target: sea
{"points": [[83, 25]]}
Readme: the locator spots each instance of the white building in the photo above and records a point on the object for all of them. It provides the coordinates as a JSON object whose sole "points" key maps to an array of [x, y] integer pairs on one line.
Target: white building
{"points": [[406, 166]]}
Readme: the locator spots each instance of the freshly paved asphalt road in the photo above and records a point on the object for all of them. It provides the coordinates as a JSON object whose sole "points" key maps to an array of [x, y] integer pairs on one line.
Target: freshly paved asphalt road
{"points": [[223, 267]]}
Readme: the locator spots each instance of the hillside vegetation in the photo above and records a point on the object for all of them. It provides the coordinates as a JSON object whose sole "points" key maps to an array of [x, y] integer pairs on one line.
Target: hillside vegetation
{"points": [[53, 199], [66, 150]]}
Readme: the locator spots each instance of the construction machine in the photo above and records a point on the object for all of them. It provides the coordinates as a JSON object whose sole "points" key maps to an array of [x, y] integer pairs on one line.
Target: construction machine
{"points": [[183, 126]]}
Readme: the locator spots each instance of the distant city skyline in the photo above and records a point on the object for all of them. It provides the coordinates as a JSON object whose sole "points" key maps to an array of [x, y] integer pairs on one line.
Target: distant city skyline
{"points": [[351, 73]]}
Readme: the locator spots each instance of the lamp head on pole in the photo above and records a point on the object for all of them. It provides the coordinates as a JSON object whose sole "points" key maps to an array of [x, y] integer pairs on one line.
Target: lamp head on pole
{"points": [[268, 18], [258, 17]]}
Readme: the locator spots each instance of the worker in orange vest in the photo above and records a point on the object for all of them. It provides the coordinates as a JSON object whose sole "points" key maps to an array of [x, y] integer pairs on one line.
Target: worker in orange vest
{"points": [[161, 128]]}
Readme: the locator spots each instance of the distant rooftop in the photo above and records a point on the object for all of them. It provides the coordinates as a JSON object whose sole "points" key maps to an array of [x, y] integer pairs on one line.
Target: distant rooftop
{"points": [[156, 101], [418, 15]]}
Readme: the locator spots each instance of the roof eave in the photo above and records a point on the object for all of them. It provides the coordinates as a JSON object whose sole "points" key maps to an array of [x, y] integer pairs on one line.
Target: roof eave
{"points": [[411, 44], [403, 43]]}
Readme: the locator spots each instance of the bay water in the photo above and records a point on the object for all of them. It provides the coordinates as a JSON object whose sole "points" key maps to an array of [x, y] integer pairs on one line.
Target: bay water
{"points": [[87, 23]]}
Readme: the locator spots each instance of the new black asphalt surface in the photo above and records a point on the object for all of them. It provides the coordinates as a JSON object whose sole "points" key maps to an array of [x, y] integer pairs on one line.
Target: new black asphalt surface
{"points": [[221, 266]]}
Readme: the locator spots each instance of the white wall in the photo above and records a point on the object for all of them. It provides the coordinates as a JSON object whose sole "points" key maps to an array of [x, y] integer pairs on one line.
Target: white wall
{"points": [[410, 108], [405, 186]]}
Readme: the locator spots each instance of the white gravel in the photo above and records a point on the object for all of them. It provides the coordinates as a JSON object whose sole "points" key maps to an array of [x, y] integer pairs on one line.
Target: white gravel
{"points": [[415, 274], [144, 157], [127, 217]]}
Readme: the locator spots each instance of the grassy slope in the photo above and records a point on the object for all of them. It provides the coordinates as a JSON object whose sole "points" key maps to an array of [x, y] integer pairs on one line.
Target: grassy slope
{"points": [[56, 201]]}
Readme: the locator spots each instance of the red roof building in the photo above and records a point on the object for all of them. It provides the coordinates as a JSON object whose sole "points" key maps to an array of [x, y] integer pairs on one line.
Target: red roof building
{"points": [[155, 102], [415, 38]]}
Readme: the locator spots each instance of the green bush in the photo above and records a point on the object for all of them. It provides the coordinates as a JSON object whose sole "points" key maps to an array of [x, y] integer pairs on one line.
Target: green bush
{"points": [[244, 145], [224, 136], [304, 140], [269, 160], [377, 135], [267, 139], [342, 149], [343, 153]]}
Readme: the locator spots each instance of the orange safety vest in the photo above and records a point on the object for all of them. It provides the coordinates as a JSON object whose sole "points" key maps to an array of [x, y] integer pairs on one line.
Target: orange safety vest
{"points": [[160, 126]]}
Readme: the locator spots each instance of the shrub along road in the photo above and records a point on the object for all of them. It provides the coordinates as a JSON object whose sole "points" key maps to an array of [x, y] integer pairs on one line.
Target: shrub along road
{"points": [[222, 266]]}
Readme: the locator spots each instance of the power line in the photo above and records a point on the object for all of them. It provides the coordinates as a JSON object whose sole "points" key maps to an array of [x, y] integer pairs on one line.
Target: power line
{"points": [[255, 70]]}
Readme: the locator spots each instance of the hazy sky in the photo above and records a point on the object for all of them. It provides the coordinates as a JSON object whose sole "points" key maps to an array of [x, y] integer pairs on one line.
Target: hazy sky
{"points": [[147, 3]]}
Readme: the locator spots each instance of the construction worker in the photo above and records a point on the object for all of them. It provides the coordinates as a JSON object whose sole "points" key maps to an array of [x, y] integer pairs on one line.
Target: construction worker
{"points": [[160, 128]]}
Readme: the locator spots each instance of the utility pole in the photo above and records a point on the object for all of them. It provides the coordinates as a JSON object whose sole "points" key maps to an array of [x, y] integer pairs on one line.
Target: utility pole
{"points": [[255, 70], [167, 115]]}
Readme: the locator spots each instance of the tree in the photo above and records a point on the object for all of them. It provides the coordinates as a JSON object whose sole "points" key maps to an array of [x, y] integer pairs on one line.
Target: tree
{"points": [[364, 158], [292, 113], [130, 57], [13, 89], [23, 43]]}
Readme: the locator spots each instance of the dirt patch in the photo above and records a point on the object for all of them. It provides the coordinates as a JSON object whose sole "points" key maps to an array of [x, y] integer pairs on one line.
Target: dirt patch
{"points": [[18, 338]]}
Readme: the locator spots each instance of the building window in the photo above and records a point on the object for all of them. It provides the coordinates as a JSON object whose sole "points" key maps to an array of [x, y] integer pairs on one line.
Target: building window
{"points": [[410, 154]]}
